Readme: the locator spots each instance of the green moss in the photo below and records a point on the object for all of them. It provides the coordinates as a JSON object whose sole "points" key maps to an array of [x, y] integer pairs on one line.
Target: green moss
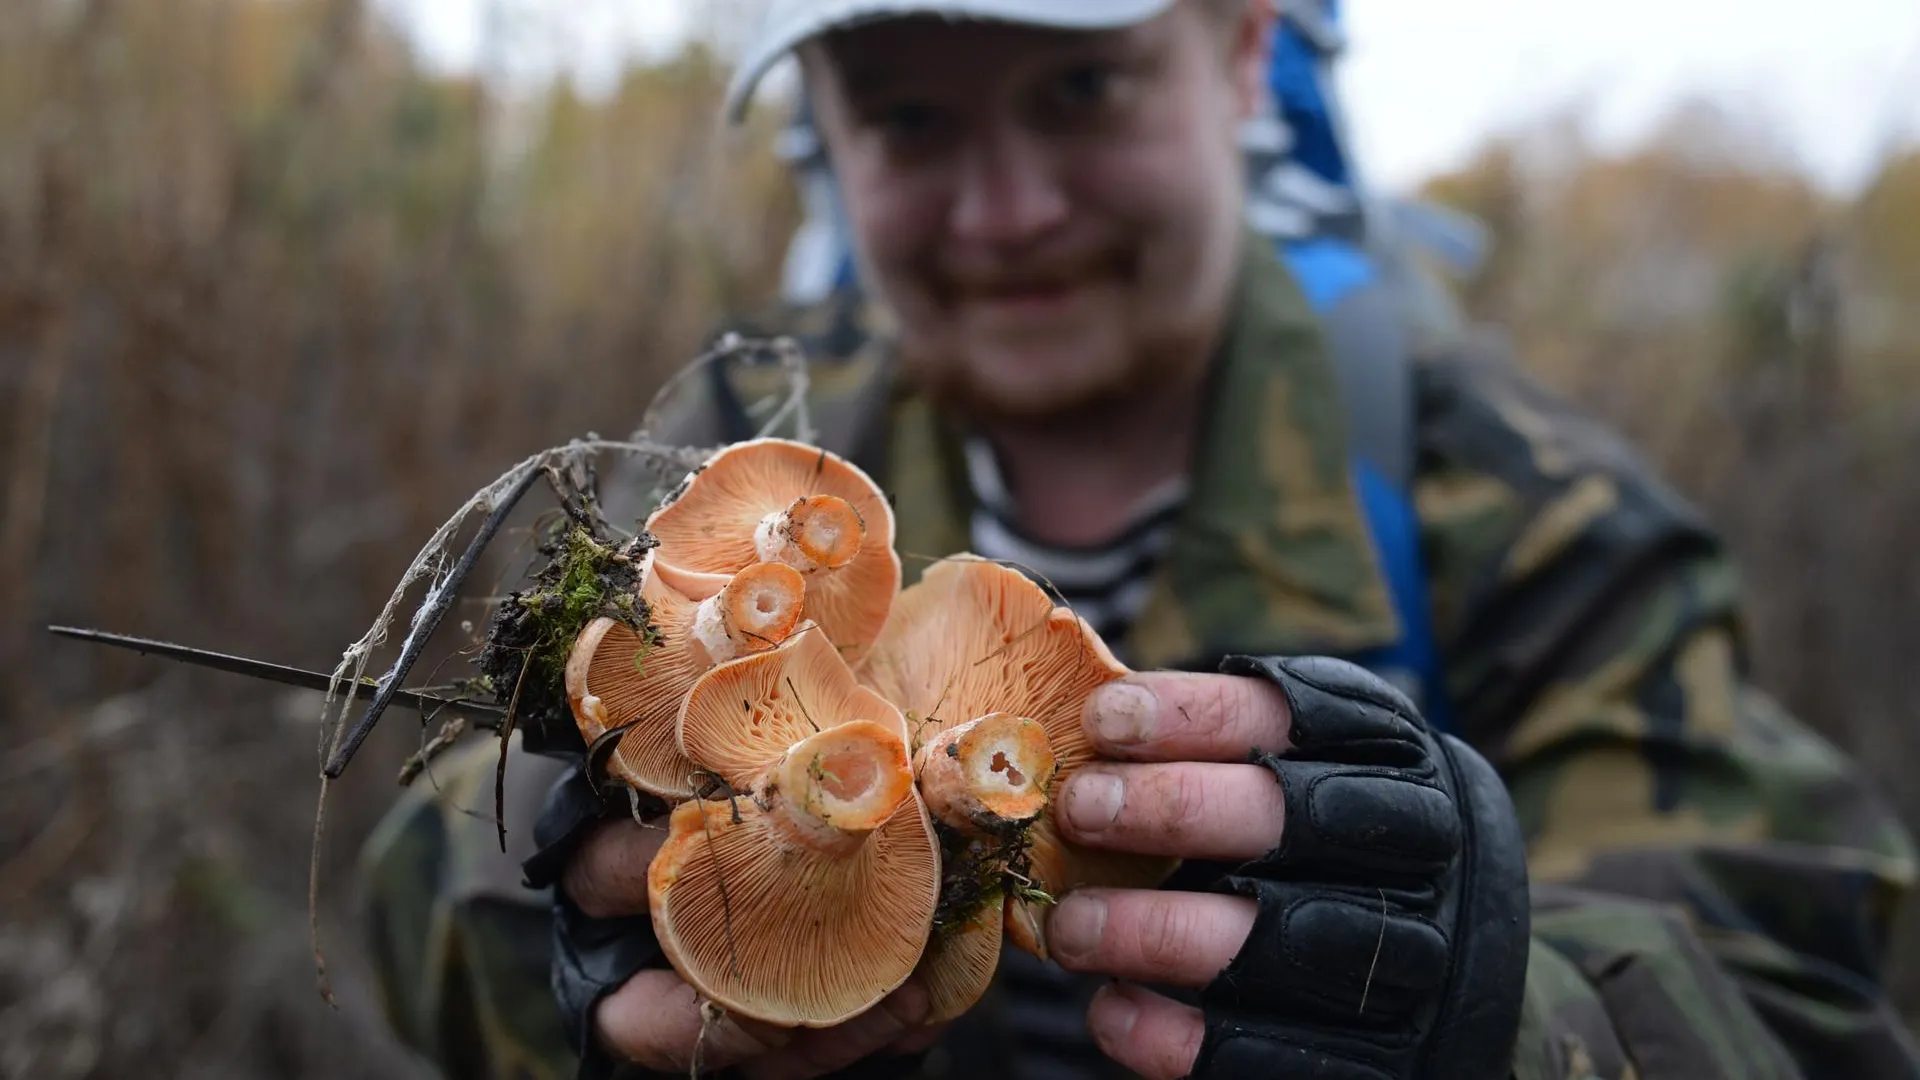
{"points": [[533, 631], [981, 870]]}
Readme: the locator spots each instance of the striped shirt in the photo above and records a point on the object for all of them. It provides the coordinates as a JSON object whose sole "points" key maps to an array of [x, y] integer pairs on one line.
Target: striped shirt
{"points": [[1107, 584]]}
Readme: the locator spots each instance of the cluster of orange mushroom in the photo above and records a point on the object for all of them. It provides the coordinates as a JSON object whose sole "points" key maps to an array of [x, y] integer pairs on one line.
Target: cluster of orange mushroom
{"points": [[861, 775]]}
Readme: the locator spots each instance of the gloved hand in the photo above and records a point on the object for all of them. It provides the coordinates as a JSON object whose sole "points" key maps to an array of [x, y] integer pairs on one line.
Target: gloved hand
{"points": [[625, 1012], [1364, 918]]}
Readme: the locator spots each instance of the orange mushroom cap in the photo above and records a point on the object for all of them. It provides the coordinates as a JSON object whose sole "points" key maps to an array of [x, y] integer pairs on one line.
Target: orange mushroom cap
{"points": [[776, 500], [974, 637], [768, 907], [617, 677], [745, 714]]}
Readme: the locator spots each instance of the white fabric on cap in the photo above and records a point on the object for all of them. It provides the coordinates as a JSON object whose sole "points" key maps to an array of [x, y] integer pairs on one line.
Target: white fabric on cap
{"points": [[788, 23]]}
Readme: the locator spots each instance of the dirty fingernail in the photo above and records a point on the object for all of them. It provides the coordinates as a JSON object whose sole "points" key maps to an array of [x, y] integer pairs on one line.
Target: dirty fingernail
{"points": [[1124, 712], [1075, 927], [1112, 1016], [1093, 800]]}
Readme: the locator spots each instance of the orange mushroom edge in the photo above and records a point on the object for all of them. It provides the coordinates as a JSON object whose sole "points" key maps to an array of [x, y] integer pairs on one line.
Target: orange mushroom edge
{"points": [[629, 684], [806, 899], [975, 639], [779, 501], [744, 715]]}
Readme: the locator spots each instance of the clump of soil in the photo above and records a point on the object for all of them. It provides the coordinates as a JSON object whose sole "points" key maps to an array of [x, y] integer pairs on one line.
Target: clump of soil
{"points": [[978, 870], [588, 574]]}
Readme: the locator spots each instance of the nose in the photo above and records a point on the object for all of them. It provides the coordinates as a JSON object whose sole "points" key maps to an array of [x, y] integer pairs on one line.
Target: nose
{"points": [[1008, 190]]}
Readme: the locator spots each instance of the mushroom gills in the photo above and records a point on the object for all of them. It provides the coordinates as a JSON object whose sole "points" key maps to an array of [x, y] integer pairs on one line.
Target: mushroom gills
{"points": [[766, 921], [637, 680], [795, 505], [745, 715]]}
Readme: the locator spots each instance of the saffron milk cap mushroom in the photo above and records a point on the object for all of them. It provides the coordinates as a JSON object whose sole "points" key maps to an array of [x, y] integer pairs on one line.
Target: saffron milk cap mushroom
{"points": [[620, 678], [804, 894], [743, 715], [781, 501], [976, 647]]}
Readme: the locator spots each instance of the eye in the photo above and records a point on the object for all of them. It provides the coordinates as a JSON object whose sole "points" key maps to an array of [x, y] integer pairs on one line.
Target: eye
{"points": [[905, 125], [907, 120], [1087, 86], [1092, 91]]}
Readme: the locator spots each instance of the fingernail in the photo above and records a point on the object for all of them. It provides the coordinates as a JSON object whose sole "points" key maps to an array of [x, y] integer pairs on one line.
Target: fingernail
{"points": [[1112, 1016], [1124, 712], [1093, 800], [1075, 927]]}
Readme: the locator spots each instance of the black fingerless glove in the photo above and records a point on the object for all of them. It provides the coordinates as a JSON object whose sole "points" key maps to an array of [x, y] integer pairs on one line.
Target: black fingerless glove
{"points": [[1392, 934], [591, 957]]}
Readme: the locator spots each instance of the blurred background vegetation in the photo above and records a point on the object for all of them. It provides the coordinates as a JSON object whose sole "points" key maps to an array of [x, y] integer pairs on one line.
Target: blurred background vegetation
{"points": [[274, 299]]}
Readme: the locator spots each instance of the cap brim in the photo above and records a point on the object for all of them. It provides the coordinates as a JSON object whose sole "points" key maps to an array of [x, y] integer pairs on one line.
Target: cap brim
{"points": [[787, 28]]}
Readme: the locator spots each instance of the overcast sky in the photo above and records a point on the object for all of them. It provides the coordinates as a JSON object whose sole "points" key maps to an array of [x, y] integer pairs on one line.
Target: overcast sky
{"points": [[1427, 80]]}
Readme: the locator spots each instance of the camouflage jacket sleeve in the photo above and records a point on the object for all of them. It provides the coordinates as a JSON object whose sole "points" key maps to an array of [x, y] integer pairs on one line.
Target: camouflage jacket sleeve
{"points": [[461, 950], [1714, 882]]}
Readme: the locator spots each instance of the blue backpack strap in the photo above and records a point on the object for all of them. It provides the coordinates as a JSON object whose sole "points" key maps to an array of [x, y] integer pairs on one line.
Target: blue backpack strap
{"points": [[1305, 195], [1366, 337]]}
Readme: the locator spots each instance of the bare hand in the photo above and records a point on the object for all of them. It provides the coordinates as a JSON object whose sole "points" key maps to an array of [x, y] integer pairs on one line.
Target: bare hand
{"points": [[1182, 786], [654, 1018]]}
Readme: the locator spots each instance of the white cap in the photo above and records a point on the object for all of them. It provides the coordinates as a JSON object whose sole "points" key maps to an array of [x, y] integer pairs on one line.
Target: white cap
{"points": [[788, 23]]}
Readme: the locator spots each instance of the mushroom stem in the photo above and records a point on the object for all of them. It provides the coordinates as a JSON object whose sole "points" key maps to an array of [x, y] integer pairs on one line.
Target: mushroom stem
{"points": [[834, 788], [818, 532], [756, 610], [991, 775]]}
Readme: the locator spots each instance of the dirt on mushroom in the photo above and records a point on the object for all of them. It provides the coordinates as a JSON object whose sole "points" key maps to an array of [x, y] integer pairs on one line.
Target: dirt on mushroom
{"points": [[533, 631]]}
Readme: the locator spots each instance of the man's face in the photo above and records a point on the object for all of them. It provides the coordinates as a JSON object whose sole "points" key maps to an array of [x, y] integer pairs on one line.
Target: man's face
{"points": [[1054, 218]]}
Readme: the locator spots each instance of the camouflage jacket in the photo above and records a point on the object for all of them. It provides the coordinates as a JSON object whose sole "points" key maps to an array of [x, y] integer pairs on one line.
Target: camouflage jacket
{"points": [[1714, 884]]}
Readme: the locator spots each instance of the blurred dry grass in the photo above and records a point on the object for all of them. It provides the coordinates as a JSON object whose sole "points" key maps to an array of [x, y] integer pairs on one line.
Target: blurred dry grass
{"points": [[272, 303], [273, 300]]}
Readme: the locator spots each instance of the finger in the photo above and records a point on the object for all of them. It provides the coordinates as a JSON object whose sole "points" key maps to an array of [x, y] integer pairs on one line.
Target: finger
{"points": [[1143, 1032], [654, 1019], [607, 877], [1170, 938], [918, 1040], [1175, 716], [1189, 809], [819, 1052]]}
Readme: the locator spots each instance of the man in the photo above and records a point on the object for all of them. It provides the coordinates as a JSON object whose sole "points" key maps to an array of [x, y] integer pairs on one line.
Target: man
{"points": [[1090, 363]]}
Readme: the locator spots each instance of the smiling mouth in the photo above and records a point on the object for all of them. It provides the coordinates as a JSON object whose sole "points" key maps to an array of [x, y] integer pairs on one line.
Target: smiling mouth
{"points": [[1034, 289], [1027, 292]]}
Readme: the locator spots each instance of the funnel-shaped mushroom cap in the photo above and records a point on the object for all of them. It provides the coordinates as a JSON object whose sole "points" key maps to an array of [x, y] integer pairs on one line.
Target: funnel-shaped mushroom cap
{"points": [[776, 500], [783, 932], [745, 714], [974, 637], [616, 676]]}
